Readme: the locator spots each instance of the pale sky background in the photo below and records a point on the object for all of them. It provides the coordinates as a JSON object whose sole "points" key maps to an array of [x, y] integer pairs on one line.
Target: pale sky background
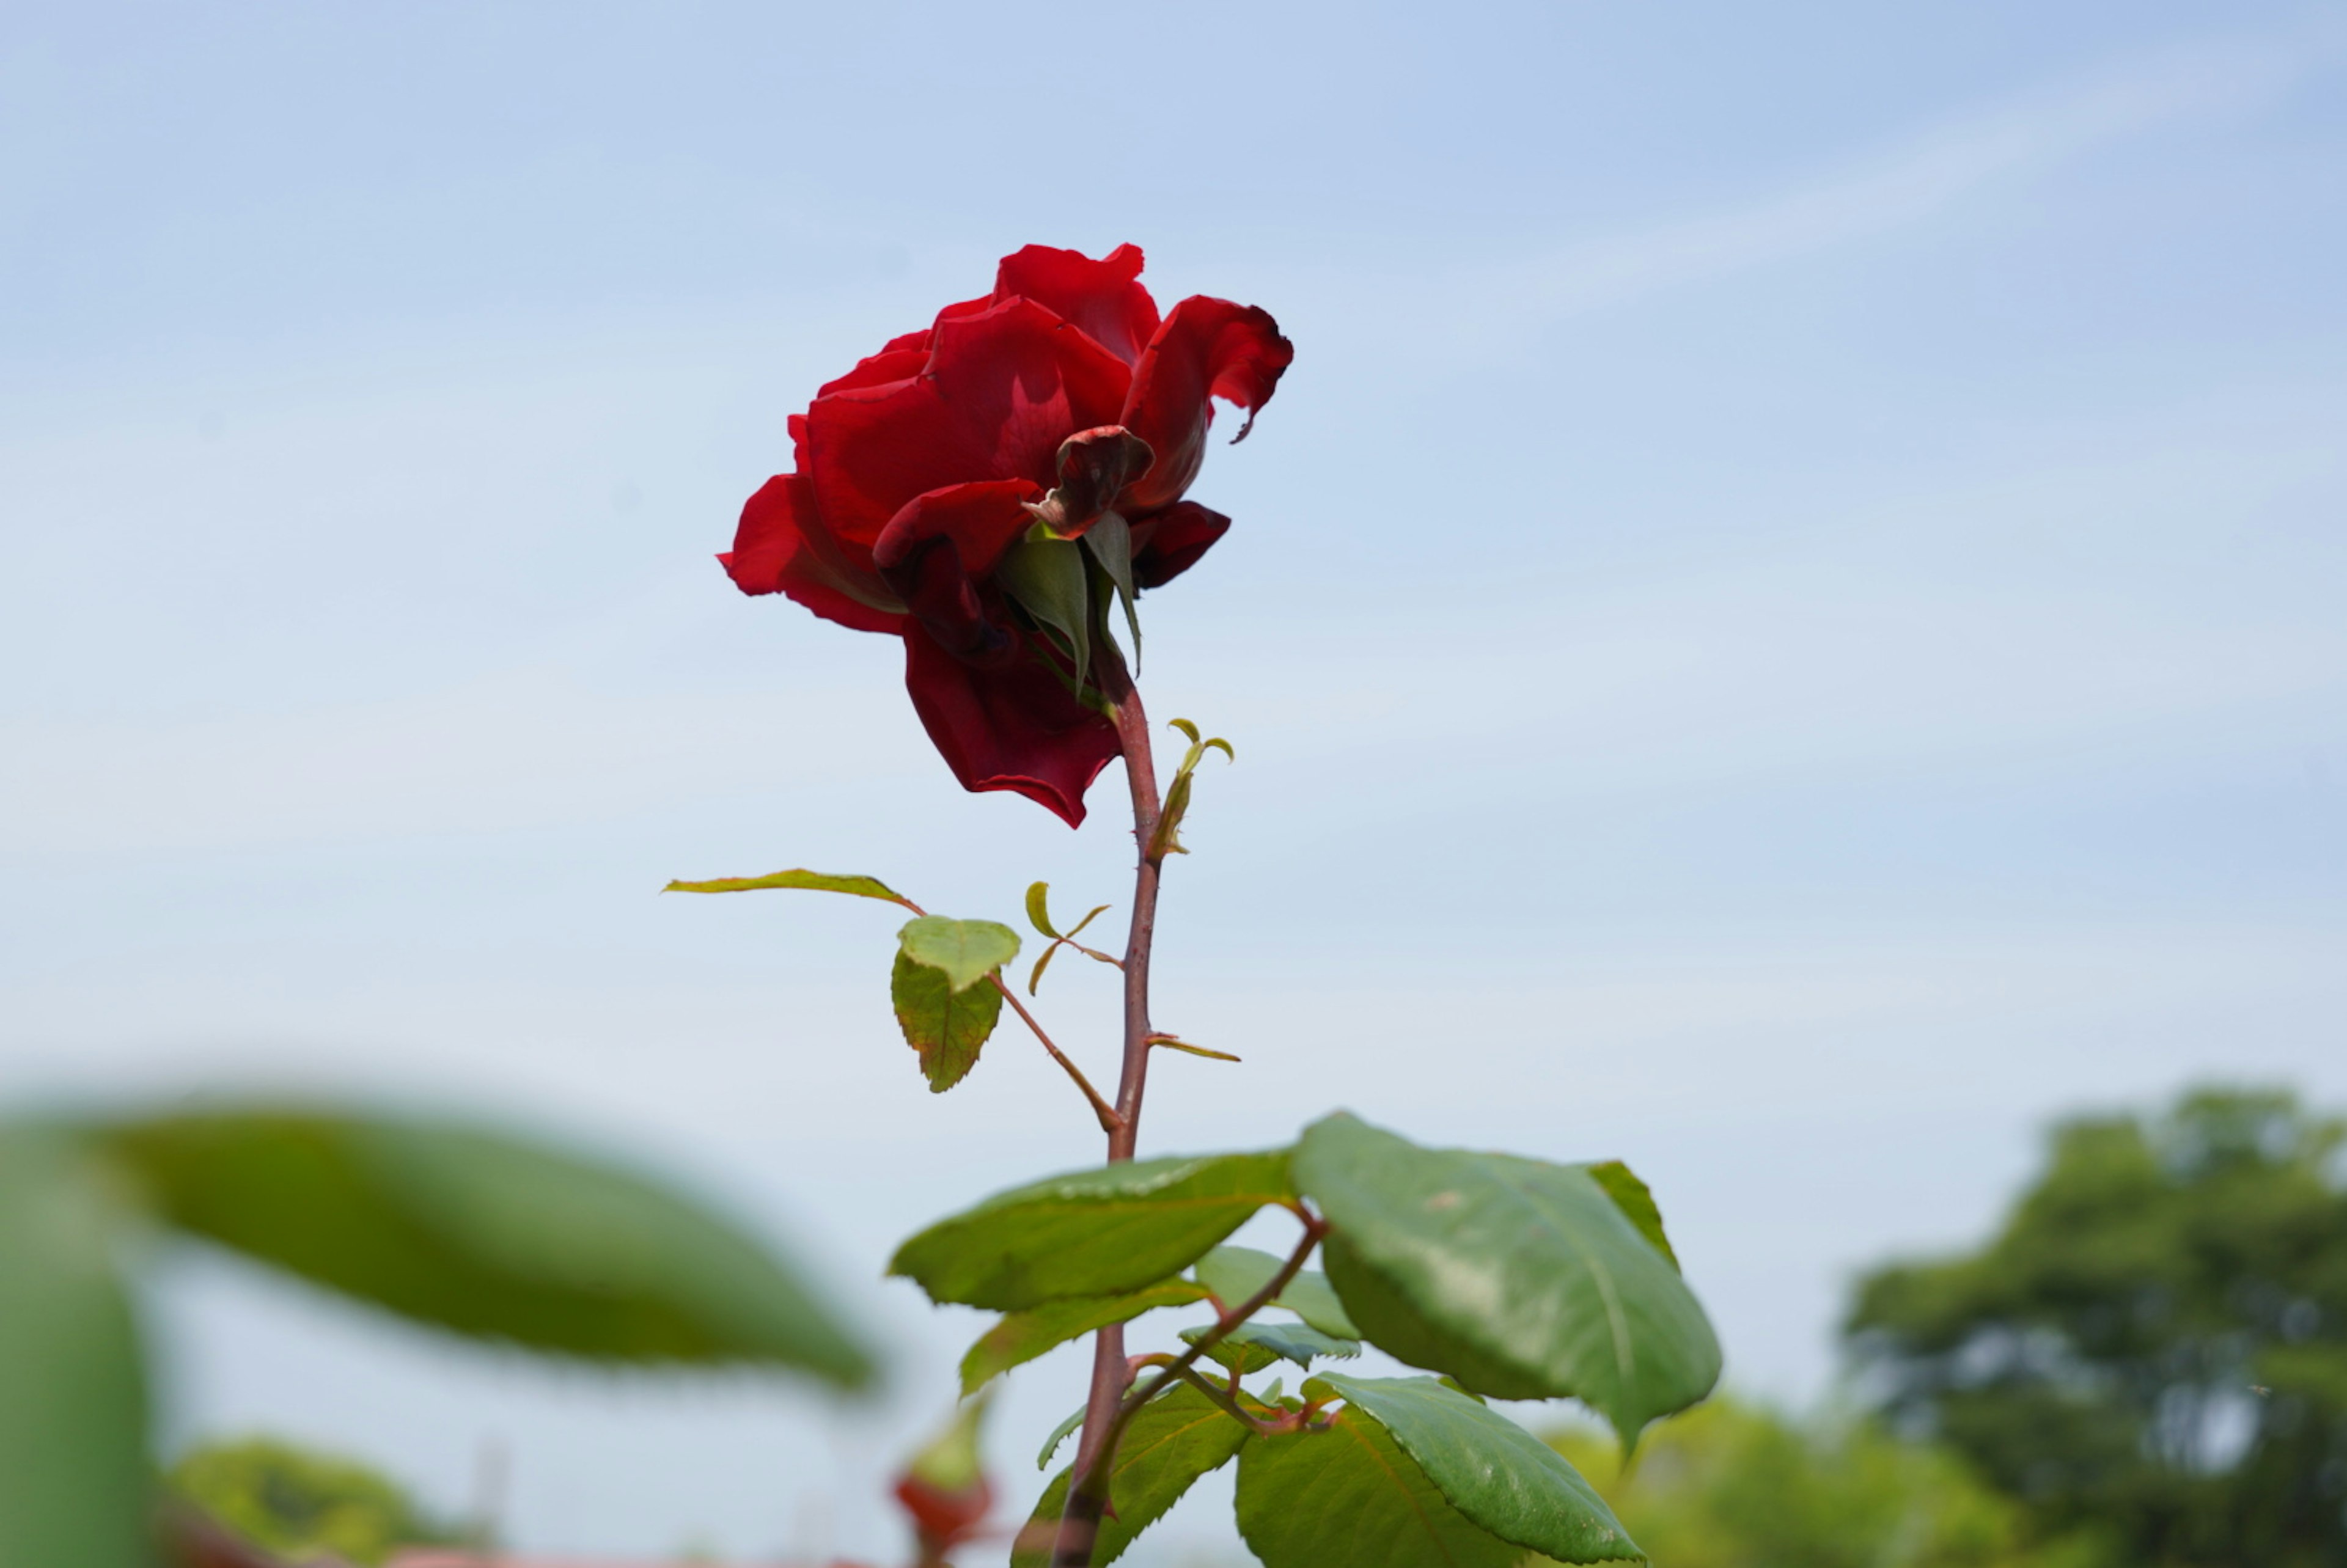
{"points": [[1786, 625]]}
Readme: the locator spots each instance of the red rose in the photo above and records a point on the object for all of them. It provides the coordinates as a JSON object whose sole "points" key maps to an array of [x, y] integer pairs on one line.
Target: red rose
{"points": [[985, 488]]}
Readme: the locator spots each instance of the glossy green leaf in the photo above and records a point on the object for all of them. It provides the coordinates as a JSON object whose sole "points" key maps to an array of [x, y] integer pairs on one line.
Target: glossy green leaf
{"points": [[1499, 1475], [487, 1235], [1235, 1273], [1021, 1337], [1349, 1496], [1520, 1278], [75, 1482], [813, 881], [1060, 1434], [1255, 1345], [964, 951], [947, 1027], [1172, 1441], [1637, 1202], [1046, 576], [1101, 1232]]}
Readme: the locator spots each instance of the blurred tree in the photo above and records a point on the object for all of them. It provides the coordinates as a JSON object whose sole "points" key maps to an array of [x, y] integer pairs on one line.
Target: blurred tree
{"points": [[2156, 1342], [299, 1502], [1731, 1486]]}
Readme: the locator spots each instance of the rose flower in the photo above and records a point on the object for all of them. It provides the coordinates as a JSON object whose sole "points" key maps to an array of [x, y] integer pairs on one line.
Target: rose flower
{"points": [[985, 488]]}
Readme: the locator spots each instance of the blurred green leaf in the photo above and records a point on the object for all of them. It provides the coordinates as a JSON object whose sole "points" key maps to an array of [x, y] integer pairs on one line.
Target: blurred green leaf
{"points": [[487, 1235], [1046, 576], [1350, 1496], [1021, 1337], [1101, 1232], [1504, 1478], [1172, 1441], [302, 1503], [1636, 1199], [1235, 1273], [1255, 1345], [813, 881], [964, 951], [75, 1484], [947, 1027], [1523, 1279]]}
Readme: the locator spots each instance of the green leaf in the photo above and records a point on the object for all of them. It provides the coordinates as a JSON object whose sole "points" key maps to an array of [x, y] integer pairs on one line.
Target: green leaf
{"points": [[1172, 1441], [1350, 1496], [1521, 1279], [489, 1235], [1046, 576], [1060, 1434], [1637, 1202], [1038, 908], [813, 881], [1255, 1345], [947, 1027], [1235, 1273], [1023, 1336], [966, 950], [1499, 1475], [75, 1485], [1110, 541], [1101, 1232]]}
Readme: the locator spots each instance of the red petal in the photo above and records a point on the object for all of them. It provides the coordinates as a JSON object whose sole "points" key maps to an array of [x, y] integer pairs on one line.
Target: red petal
{"points": [[1101, 297], [781, 547], [1002, 389], [890, 364], [1169, 544], [937, 552], [1011, 726], [1207, 348]]}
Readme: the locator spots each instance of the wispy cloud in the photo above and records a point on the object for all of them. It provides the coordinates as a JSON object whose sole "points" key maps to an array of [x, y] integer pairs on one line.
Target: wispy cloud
{"points": [[1922, 178]]}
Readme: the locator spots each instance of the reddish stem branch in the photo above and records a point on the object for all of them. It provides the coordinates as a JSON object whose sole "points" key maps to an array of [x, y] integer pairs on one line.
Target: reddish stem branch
{"points": [[1109, 1120], [1103, 1419]]}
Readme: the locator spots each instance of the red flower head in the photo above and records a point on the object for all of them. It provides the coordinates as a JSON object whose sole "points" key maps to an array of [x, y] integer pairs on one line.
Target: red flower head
{"points": [[983, 488]]}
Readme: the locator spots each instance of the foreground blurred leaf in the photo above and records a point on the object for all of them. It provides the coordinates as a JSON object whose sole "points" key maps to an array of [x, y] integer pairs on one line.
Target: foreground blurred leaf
{"points": [[487, 1235], [1172, 1441], [813, 881], [947, 1027], [1499, 1475], [1023, 1336], [1520, 1278], [1102, 1232], [74, 1487], [964, 951], [1235, 1273], [1350, 1496]]}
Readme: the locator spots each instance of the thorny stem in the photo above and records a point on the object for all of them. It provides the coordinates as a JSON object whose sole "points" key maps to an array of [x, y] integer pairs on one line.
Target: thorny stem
{"points": [[1101, 1108], [1088, 1497], [1103, 1417]]}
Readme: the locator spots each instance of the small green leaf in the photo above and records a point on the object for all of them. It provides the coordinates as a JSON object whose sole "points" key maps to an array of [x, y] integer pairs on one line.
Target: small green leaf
{"points": [[1491, 1470], [947, 1027], [1021, 1337], [1172, 1441], [1060, 1434], [1255, 1345], [813, 881], [1350, 1496], [1039, 908], [1636, 1200], [1110, 541], [1101, 1232], [487, 1235], [1186, 1049], [1096, 912], [1520, 1278], [965, 951], [1235, 1273], [1186, 727], [75, 1486], [1046, 576]]}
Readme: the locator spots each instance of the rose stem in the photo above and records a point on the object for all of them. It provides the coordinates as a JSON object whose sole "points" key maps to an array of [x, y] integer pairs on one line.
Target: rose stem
{"points": [[1080, 1523]]}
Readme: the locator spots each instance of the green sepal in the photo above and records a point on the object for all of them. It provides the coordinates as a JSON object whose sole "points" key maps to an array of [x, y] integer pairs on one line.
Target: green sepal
{"points": [[1047, 577], [1110, 542]]}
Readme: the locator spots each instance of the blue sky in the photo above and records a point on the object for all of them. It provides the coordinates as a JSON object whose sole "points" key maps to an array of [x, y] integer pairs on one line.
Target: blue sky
{"points": [[1785, 625]]}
